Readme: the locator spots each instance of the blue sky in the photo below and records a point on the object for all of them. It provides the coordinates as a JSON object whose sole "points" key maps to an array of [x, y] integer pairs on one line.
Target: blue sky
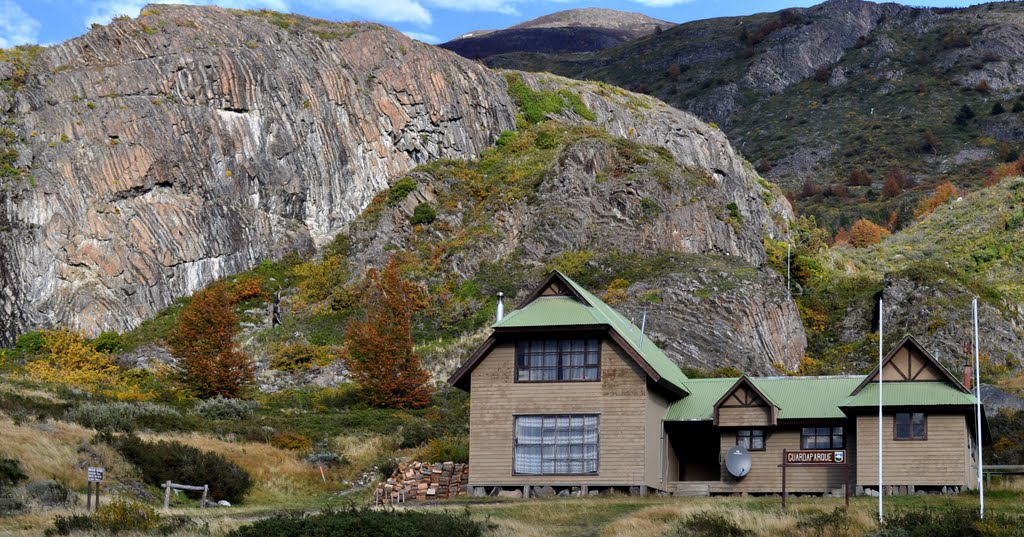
{"points": [[433, 21]]}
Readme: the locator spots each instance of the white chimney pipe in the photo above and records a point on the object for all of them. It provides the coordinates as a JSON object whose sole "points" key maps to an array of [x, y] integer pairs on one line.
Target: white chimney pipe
{"points": [[501, 306]]}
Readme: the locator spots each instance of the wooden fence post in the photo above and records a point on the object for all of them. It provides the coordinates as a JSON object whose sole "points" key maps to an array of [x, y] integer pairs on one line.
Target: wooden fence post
{"points": [[202, 502], [167, 495]]}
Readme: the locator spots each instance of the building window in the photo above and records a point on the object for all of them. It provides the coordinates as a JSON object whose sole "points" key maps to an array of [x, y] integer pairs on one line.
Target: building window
{"points": [[555, 360], [822, 438], [553, 445], [911, 426], [752, 439]]}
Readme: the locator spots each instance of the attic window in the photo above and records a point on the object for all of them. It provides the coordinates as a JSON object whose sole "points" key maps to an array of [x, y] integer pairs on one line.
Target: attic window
{"points": [[558, 360]]}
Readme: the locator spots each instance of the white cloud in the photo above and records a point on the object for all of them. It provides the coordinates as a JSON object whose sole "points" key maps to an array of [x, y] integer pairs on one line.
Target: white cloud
{"points": [[505, 7], [662, 3], [420, 36], [381, 10], [16, 26]]}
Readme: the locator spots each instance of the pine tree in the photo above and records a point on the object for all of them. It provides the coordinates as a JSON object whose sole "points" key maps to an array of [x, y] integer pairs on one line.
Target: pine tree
{"points": [[964, 116], [382, 360], [203, 341]]}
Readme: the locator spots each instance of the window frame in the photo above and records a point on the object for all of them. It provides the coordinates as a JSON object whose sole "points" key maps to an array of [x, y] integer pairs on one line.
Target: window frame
{"points": [[750, 434], [831, 435], [597, 444], [910, 424], [562, 365]]}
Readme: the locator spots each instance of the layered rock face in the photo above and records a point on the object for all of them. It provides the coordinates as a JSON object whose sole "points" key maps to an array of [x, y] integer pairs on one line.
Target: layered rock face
{"points": [[715, 304], [192, 143]]}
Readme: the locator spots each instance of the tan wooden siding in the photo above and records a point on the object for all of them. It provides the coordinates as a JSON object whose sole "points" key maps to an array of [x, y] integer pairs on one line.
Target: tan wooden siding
{"points": [[619, 398], [753, 416], [940, 460], [766, 475], [656, 445], [909, 365]]}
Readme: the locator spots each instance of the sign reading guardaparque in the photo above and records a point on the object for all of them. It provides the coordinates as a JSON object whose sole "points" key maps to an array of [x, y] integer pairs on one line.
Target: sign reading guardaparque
{"points": [[816, 457]]}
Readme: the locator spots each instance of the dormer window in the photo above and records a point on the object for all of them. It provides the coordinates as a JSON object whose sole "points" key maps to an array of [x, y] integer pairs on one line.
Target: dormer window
{"points": [[558, 360]]}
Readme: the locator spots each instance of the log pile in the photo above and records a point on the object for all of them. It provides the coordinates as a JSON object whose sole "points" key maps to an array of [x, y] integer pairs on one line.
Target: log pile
{"points": [[423, 481]]}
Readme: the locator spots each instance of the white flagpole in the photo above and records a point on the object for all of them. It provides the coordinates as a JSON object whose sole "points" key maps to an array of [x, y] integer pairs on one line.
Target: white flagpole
{"points": [[977, 392], [881, 339]]}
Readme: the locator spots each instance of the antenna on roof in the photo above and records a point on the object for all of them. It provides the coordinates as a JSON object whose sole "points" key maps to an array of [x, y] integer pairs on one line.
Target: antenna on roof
{"points": [[643, 326]]}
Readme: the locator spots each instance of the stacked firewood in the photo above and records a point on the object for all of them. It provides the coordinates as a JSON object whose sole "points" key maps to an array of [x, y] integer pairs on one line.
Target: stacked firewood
{"points": [[423, 481]]}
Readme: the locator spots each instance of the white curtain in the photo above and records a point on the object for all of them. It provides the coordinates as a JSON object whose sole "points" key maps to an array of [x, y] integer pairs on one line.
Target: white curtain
{"points": [[564, 444]]}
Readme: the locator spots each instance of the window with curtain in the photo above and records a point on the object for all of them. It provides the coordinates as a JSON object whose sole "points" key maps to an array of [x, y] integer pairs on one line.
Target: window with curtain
{"points": [[752, 439], [822, 438], [911, 426], [558, 360], [552, 445]]}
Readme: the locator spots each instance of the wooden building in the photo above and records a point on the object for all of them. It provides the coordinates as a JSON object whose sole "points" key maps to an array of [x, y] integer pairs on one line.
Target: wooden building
{"points": [[567, 393]]}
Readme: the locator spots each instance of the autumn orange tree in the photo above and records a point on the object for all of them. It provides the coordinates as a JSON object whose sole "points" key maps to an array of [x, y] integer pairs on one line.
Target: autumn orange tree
{"points": [[864, 233], [203, 341], [382, 360], [944, 193]]}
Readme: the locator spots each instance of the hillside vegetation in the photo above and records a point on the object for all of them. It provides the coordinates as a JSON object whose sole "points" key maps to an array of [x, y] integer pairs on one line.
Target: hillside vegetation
{"points": [[835, 101]]}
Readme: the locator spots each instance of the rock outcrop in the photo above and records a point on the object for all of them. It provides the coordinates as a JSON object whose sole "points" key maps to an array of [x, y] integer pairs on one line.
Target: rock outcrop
{"points": [[698, 205], [192, 143]]}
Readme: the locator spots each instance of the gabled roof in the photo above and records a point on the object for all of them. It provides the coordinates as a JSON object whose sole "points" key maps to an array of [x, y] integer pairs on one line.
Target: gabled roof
{"points": [[796, 397], [924, 393], [908, 341], [748, 382], [577, 308]]}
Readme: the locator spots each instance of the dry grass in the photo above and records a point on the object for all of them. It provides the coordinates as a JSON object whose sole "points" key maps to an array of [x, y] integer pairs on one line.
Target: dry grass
{"points": [[281, 478], [361, 451], [49, 450]]}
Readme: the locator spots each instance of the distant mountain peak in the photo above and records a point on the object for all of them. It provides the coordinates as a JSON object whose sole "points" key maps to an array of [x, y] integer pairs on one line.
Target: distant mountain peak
{"points": [[597, 17]]}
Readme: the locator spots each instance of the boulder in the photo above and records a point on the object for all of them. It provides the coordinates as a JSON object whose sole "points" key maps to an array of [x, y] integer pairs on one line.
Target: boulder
{"points": [[517, 493], [543, 492], [48, 494]]}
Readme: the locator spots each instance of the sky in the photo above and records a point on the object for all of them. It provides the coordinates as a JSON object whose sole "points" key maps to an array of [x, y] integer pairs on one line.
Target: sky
{"points": [[48, 22]]}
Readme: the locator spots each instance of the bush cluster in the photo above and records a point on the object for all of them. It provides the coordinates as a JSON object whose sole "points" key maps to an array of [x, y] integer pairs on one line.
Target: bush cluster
{"points": [[126, 417], [956, 521], [222, 408], [449, 449], [710, 524], [367, 523], [122, 515], [172, 461]]}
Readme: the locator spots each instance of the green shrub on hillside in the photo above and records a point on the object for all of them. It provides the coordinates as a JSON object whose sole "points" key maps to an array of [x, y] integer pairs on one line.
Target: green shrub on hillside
{"points": [[449, 449], [221, 408], [172, 461], [126, 417], [424, 214], [956, 521], [536, 105], [400, 190], [367, 523]]}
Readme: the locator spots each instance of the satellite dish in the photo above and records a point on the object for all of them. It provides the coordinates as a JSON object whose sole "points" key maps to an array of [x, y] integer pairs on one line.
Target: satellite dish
{"points": [[737, 462]]}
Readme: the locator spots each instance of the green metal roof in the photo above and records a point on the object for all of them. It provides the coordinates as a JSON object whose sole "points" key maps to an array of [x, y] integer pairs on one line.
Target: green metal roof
{"points": [[567, 311], [919, 393], [551, 311], [796, 397], [700, 404]]}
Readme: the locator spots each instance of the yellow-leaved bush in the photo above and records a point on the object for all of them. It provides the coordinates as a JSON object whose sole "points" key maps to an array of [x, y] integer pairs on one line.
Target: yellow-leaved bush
{"points": [[69, 359]]}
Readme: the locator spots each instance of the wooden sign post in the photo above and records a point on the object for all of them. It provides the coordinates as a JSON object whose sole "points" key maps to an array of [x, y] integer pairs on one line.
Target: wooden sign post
{"points": [[95, 475], [815, 457]]}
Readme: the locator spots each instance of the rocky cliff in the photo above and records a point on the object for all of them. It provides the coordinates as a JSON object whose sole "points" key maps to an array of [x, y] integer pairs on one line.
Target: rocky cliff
{"points": [[811, 95], [654, 206], [158, 154]]}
